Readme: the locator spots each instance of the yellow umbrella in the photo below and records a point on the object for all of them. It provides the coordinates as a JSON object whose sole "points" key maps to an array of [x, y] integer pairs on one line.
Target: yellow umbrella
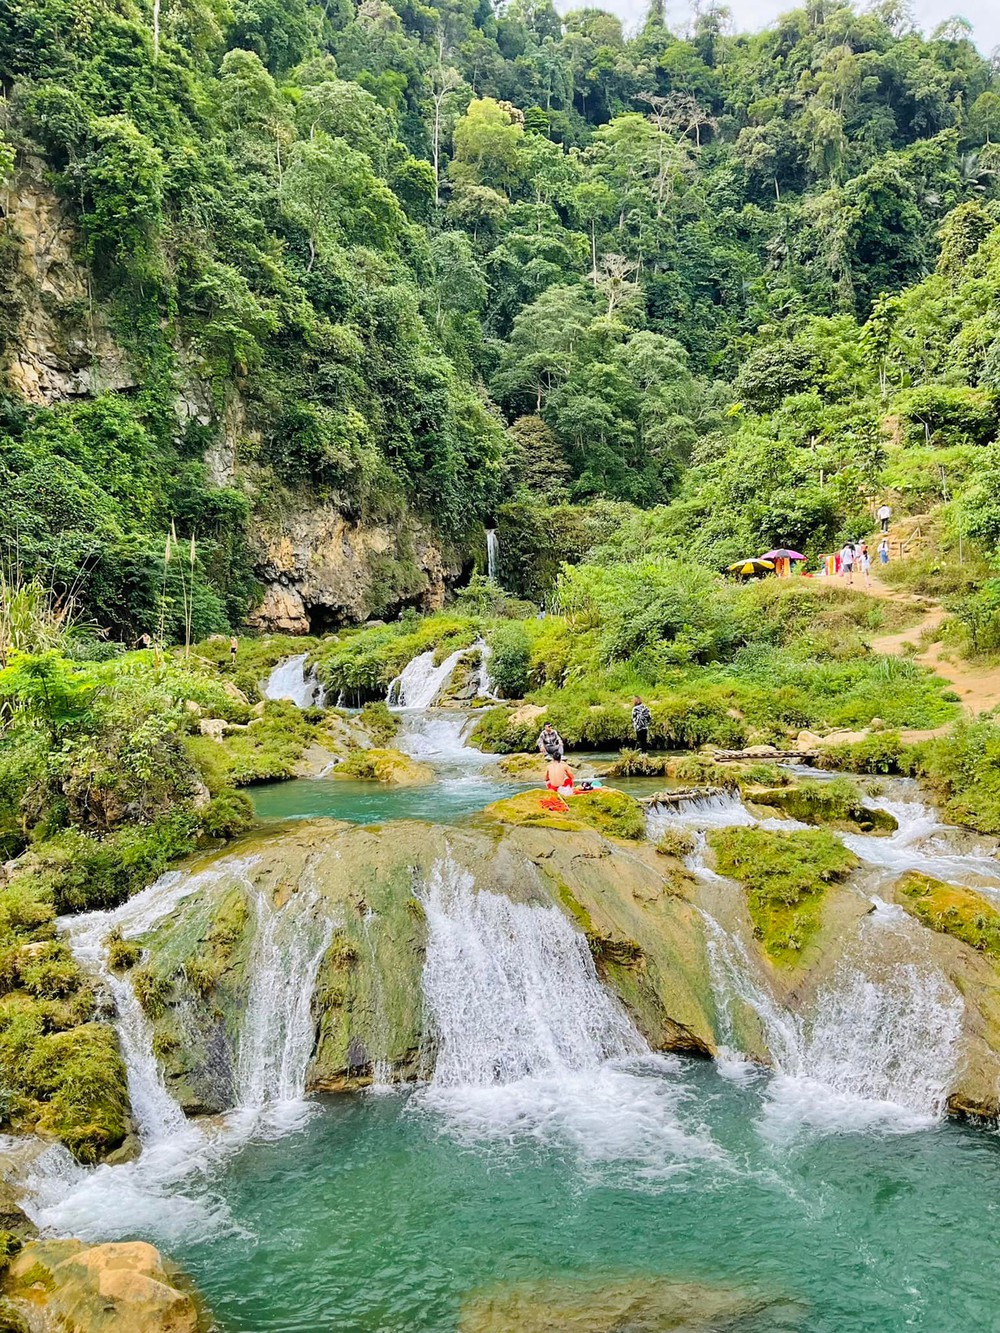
{"points": [[755, 565]]}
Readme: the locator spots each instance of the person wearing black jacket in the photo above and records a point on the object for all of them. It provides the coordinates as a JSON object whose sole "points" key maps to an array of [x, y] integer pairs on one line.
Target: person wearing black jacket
{"points": [[641, 721]]}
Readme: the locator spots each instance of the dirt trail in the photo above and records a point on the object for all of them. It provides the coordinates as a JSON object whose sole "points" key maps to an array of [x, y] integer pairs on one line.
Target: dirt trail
{"points": [[977, 687]]}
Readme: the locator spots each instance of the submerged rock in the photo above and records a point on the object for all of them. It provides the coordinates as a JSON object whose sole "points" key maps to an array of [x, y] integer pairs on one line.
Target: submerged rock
{"points": [[64, 1286], [617, 1305]]}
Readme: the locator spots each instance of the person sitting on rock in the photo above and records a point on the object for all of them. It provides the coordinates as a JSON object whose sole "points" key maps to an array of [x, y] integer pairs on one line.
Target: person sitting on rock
{"points": [[558, 777], [550, 742]]}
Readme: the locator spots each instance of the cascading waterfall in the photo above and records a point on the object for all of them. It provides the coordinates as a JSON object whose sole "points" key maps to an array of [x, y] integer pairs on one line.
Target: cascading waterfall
{"points": [[492, 554], [152, 1195], [289, 680], [879, 1047], [156, 1113], [276, 1036], [528, 1041], [484, 681], [420, 682]]}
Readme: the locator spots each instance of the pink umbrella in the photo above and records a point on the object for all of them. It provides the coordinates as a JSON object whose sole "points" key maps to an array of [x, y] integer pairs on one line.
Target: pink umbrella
{"points": [[782, 553]]}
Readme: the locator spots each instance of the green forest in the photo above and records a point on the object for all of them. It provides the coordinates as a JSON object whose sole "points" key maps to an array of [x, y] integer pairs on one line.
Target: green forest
{"points": [[501, 266]]}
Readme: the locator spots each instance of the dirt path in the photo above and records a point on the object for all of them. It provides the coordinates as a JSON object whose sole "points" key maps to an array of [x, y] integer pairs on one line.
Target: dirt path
{"points": [[977, 687]]}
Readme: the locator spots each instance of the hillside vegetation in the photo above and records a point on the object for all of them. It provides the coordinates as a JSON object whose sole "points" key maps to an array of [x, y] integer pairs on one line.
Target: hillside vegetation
{"points": [[493, 263]]}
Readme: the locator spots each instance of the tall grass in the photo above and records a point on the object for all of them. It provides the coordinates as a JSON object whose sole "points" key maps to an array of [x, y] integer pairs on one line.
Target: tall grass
{"points": [[33, 616]]}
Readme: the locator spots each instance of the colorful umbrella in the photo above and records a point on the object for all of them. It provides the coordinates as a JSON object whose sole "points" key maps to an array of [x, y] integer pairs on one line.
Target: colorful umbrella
{"points": [[782, 553], [752, 566]]}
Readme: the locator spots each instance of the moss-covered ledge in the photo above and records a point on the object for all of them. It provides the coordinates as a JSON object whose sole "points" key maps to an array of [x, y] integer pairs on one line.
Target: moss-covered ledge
{"points": [[610, 812], [785, 875]]}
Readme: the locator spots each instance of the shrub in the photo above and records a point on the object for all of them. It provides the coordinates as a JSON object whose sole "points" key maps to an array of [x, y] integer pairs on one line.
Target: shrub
{"points": [[510, 659], [881, 752], [379, 721], [228, 814]]}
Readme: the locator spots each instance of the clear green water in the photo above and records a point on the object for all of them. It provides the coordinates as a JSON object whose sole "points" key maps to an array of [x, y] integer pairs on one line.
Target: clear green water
{"points": [[376, 1218], [442, 802]]}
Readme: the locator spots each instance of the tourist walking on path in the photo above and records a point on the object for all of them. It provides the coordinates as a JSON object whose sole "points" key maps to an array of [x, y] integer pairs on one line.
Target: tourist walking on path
{"points": [[884, 514], [866, 563], [550, 742], [847, 562], [883, 551], [641, 721]]}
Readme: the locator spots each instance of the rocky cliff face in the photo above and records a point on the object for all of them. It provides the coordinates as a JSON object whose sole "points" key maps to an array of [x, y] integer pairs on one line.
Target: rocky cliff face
{"points": [[321, 571], [57, 343], [318, 570]]}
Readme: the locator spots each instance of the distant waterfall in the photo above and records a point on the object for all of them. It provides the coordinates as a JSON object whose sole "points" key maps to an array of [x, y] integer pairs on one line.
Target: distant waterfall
{"points": [[277, 1032], [511, 990], [289, 680], [420, 682], [492, 554]]}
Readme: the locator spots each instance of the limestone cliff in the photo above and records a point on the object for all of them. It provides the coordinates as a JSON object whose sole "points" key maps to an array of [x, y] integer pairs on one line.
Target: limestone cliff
{"points": [[317, 568]]}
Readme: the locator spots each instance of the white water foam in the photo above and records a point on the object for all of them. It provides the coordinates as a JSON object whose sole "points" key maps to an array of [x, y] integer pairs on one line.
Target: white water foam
{"points": [[289, 680], [529, 1043], [878, 1050], [921, 842], [164, 1194], [420, 681]]}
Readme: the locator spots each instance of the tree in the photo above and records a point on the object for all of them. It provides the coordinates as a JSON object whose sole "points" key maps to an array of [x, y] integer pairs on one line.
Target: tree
{"points": [[487, 142], [445, 80]]}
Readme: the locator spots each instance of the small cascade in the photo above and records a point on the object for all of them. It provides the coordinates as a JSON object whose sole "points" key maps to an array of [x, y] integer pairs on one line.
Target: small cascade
{"points": [[289, 680], [420, 682], [438, 738], [879, 1047], [276, 1037], [492, 554], [921, 842], [529, 1042], [511, 990], [378, 1041], [702, 812], [156, 1113], [484, 681]]}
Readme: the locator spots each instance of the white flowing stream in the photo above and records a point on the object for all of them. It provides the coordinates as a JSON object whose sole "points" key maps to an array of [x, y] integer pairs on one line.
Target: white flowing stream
{"points": [[153, 1195], [492, 554], [877, 1046], [529, 1042], [420, 681], [289, 680]]}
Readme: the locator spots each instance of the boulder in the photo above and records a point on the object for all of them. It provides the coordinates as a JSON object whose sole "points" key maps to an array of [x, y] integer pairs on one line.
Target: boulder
{"points": [[64, 1286], [615, 1303]]}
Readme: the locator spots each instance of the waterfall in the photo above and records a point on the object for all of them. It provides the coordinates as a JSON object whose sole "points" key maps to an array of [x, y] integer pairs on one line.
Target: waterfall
{"points": [[528, 1041], [156, 1114], [484, 681], [879, 1047], [512, 991], [920, 843], [277, 1032], [289, 680], [420, 682], [492, 554]]}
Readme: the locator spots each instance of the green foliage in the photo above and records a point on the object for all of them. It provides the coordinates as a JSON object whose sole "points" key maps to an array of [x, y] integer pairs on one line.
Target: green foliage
{"points": [[379, 721], [881, 752], [785, 875], [963, 770], [952, 910], [510, 658]]}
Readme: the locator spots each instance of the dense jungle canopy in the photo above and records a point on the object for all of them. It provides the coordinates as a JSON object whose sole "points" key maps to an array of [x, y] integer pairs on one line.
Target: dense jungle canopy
{"points": [[466, 260]]}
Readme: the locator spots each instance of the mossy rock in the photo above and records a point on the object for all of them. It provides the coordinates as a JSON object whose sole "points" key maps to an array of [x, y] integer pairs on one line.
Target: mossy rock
{"points": [[392, 767], [523, 766], [785, 875], [610, 812], [80, 1082], [837, 803], [952, 910], [608, 1303]]}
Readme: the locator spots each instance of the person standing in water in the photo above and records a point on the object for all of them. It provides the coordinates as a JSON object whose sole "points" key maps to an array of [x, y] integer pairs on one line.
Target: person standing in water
{"points": [[641, 721], [550, 742]]}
